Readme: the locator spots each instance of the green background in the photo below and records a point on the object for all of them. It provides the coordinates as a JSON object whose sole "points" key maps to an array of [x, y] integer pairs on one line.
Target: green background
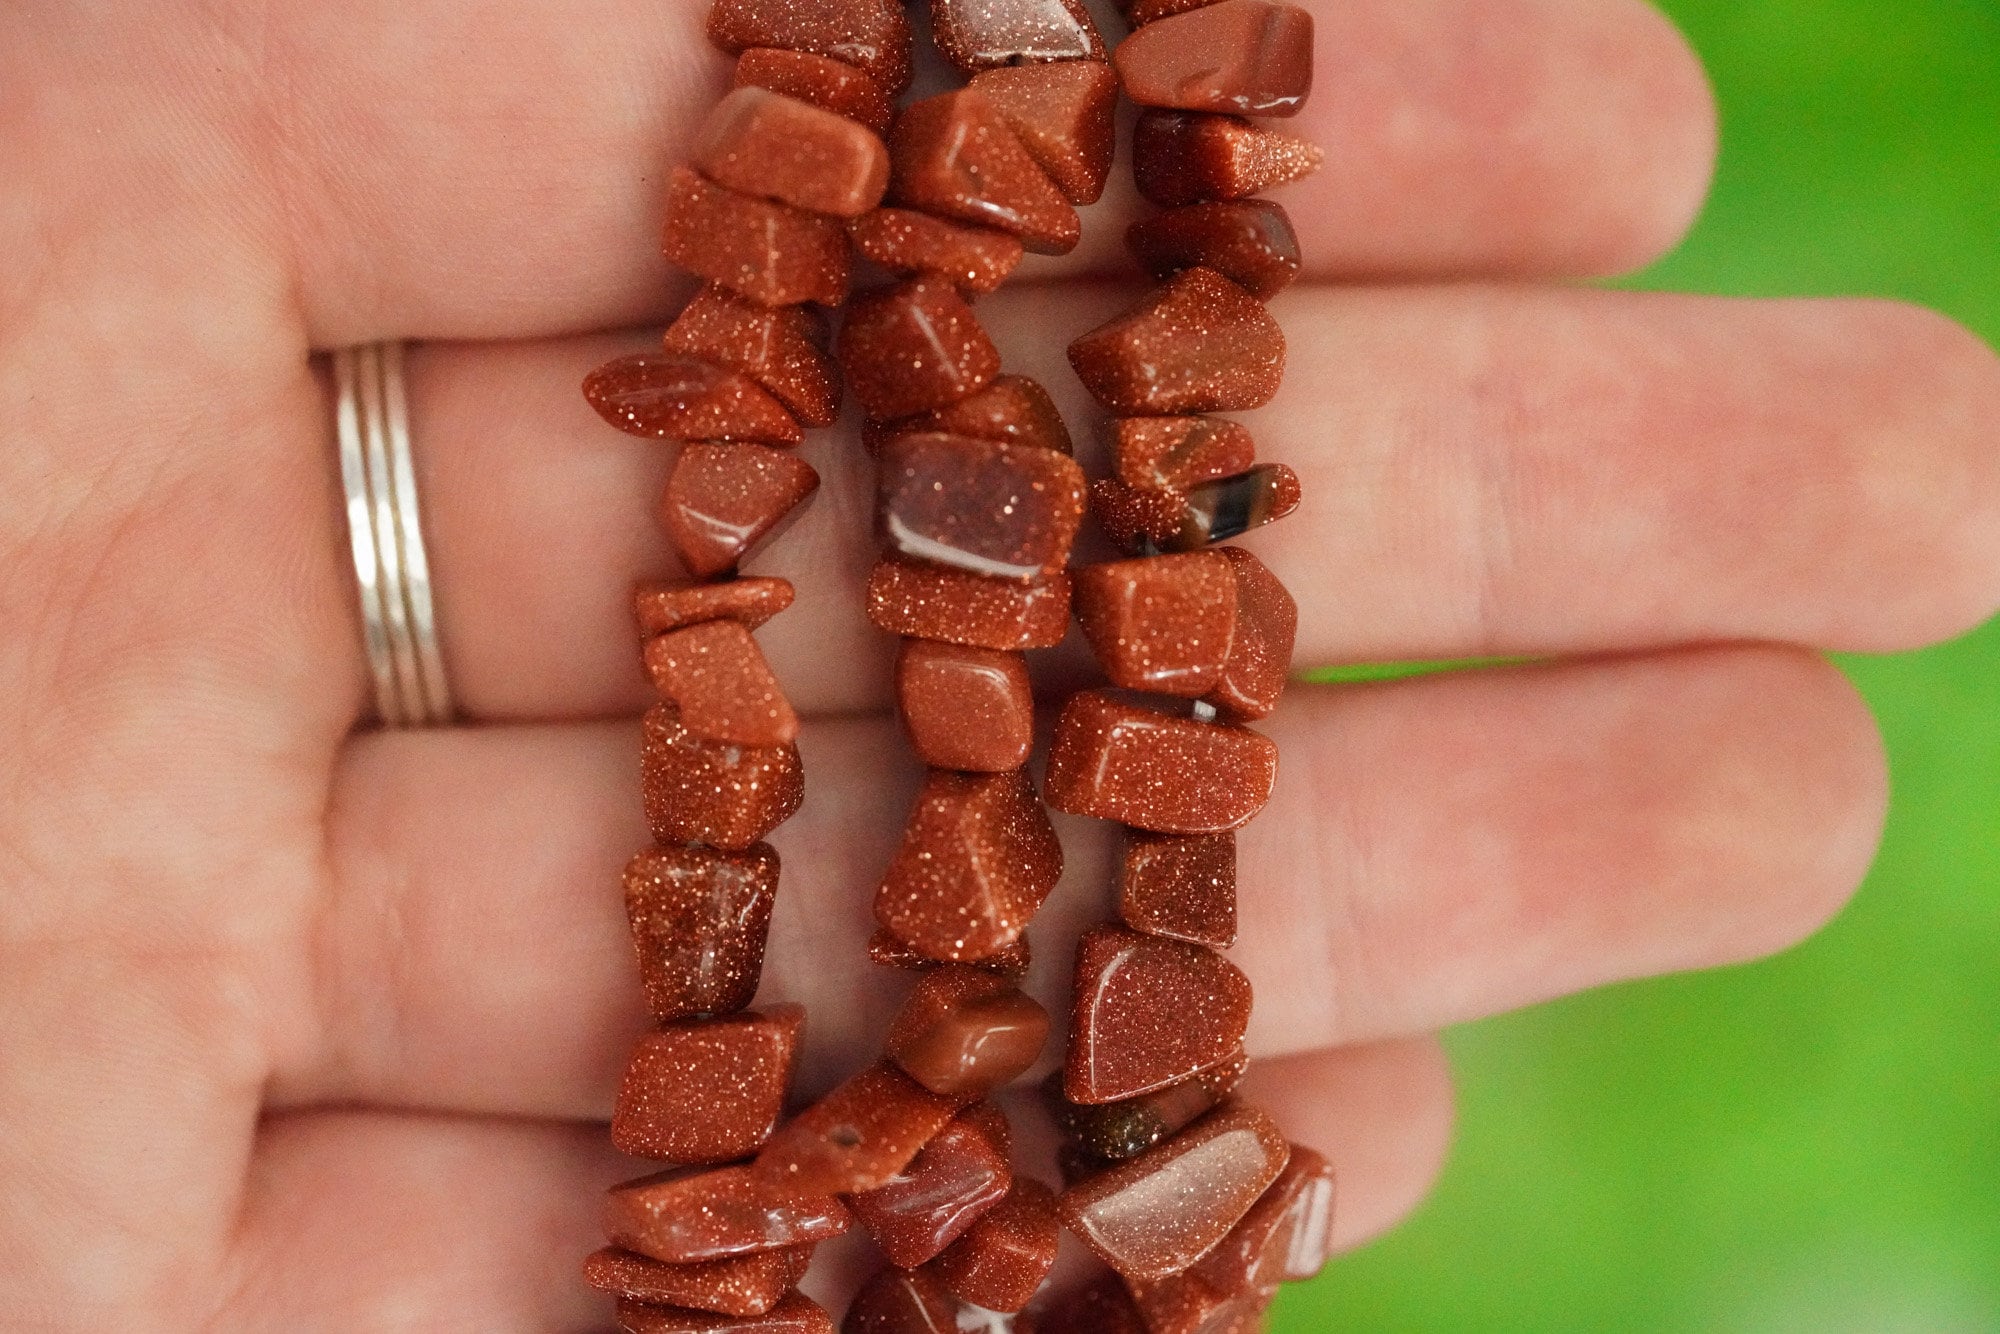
{"points": [[1809, 1144]]}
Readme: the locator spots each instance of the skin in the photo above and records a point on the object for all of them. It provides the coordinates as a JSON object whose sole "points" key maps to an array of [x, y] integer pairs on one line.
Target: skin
{"points": [[308, 1026]]}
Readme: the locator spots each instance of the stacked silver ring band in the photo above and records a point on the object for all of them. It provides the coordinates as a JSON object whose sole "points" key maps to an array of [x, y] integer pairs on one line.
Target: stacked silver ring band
{"points": [[399, 619]]}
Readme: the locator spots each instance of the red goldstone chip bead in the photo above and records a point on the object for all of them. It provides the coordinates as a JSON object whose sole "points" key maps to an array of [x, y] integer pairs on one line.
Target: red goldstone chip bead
{"points": [[684, 398], [1000, 510], [1114, 1131], [978, 858], [1139, 13], [1184, 1304], [724, 691], [1286, 1237], [689, 1217], [895, 1302], [700, 791], [1167, 775], [957, 1178], [921, 601], [965, 708], [1104, 1307], [1149, 1012], [987, 34], [772, 253], [1180, 888], [1198, 344], [699, 921], [1014, 410], [830, 85], [1182, 157], [915, 347], [1159, 1213], [1179, 452], [757, 142], [1248, 57], [1001, 1263], [885, 951], [1267, 626], [872, 35], [707, 1092], [1065, 116], [782, 348], [725, 502], [1251, 242], [955, 155], [1161, 623], [1142, 519], [795, 1314], [964, 1032], [743, 1285], [661, 607], [976, 260], [857, 1137]]}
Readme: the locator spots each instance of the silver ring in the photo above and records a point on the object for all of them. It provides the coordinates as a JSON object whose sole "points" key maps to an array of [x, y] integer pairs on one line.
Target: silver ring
{"points": [[385, 532]]}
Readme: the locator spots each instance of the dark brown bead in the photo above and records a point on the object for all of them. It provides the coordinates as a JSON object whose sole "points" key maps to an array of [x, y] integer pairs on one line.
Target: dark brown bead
{"points": [[1244, 57], [1160, 623], [978, 858], [976, 260], [772, 253], [1148, 1013], [1248, 241], [682, 398], [1260, 660], [964, 1032], [872, 35], [1168, 775], [1014, 410], [1185, 1304], [1179, 452], [895, 1302], [1065, 116], [1001, 1263], [857, 1137], [1183, 157], [782, 348], [1105, 1133], [965, 708], [743, 1285], [989, 34], [1180, 888], [999, 510], [722, 689], [699, 921], [662, 607], [712, 792], [795, 1314], [1157, 1214], [960, 1175], [955, 155], [1148, 519], [709, 1092], [757, 142], [1103, 1307], [723, 503], [1199, 343], [1286, 1237], [885, 951], [690, 1217], [921, 601], [828, 84], [914, 347]]}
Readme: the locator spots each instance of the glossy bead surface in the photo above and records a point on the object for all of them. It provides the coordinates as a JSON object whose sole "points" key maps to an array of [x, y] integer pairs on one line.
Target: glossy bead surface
{"points": [[1065, 116], [1148, 1013], [1286, 1237], [970, 709], [1105, 1306], [699, 921], [1013, 410], [722, 689], [691, 1217], [1199, 343], [976, 260], [725, 502], [1161, 623], [1167, 775], [682, 398], [955, 155], [660, 607], [1260, 660], [1182, 157], [1244, 57], [857, 1137], [782, 348], [999, 510], [1185, 1304], [1159, 1213], [989, 34], [960, 1175], [708, 1092], [757, 142], [871, 35], [895, 1302], [1180, 888], [1144, 519], [923, 601], [964, 1032], [794, 1314], [885, 951], [1178, 452], [978, 858], [772, 253], [1002, 1261], [914, 347], [828, 84], [1114, 1131], [699, 791], [1251, 242], [743, 1285]]}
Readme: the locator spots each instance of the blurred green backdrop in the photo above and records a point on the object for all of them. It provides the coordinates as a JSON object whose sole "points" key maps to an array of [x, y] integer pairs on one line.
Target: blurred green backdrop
{"points": [[1811, 1144]]}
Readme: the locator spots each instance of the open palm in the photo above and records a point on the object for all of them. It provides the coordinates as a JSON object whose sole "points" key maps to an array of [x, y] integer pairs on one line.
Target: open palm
{"points": [[306, 1026]]}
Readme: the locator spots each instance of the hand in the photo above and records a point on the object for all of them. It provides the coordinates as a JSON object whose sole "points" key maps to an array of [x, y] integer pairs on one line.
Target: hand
{"points": [[306, 1027]]}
